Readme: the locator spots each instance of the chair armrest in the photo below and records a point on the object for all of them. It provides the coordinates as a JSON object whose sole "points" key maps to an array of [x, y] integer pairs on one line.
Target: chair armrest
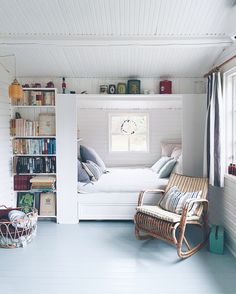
{"points": [[184, 215], [143, 193]]}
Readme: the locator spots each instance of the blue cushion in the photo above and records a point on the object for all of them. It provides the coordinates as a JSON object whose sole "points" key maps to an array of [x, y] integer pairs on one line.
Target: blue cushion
{"points": [[82, 174], [156, 167], [87, 153], [166, 170]]}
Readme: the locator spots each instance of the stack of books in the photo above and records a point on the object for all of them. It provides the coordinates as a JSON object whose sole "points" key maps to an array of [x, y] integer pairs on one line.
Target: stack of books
{"points": [[43, 183]]}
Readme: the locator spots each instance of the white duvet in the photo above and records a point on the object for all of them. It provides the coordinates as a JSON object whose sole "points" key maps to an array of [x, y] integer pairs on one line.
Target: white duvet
{"points": [[124, 180]]}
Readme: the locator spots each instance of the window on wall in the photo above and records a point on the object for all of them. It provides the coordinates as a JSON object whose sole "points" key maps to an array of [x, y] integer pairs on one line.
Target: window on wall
{"points": [[128, 132], [234, 117], [230, 116]]}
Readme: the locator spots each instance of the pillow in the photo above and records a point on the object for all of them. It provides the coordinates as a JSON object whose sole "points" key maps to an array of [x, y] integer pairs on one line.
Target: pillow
{"points": [[168, 147], [87, 153], [166, 170], [179, 166], [174, 200], [82, 174], [160, 163], [93, 170], [176, 153]]}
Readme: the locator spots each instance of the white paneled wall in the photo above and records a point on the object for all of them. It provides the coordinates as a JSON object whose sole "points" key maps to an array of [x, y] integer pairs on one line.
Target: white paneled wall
{"points": [[93, 126], [91, 85], [225, 198], [6, 195], [229, 205], [194, 113]]}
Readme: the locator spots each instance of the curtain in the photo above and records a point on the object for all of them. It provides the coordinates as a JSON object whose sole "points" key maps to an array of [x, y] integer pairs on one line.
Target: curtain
{"points": [[214, 167]]}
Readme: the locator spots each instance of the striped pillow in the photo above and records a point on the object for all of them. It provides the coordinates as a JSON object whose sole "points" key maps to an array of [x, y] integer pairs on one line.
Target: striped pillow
{"points": [[174, 201], [93, 170]]}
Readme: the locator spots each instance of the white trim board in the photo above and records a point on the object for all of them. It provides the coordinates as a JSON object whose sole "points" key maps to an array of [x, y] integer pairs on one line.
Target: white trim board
{"points": [[96, 101], [21, 40]]}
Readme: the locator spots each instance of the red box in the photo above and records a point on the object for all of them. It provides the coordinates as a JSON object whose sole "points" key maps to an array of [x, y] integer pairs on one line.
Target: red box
{"points": [[165, 87]]}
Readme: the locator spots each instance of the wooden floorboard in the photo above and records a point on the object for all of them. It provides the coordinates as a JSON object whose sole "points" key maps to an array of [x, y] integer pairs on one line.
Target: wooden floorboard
{"points": [[104, 257]]}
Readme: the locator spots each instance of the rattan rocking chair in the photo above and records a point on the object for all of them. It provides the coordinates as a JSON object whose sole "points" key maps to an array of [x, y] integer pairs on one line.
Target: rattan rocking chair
{"points": [[169, 226]]}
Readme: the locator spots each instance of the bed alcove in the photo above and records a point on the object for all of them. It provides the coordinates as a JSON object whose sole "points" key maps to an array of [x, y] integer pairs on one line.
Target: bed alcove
{"points": [[69, 106]]}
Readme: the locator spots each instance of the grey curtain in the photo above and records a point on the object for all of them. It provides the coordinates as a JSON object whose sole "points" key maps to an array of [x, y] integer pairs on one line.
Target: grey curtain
{"points": [[214, 166]]}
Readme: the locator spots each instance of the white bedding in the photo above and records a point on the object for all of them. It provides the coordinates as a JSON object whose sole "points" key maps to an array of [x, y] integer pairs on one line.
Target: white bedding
{"points": [[124, 180]]}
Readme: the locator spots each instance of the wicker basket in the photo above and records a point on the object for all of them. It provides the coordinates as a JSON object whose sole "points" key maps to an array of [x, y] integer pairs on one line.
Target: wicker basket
{"points": [[12, 236]]}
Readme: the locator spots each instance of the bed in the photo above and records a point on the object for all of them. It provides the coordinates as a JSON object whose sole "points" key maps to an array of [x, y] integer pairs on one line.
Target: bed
{"points": [[115, 195]]}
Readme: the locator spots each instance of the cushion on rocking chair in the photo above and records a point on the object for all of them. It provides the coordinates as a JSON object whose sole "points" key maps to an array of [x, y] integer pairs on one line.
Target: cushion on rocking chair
{"points": [[160, 213], [174, 201]]}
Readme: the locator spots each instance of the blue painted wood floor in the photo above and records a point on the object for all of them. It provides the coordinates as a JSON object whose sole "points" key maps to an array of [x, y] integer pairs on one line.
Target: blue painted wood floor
{"points": [[104, 257]]}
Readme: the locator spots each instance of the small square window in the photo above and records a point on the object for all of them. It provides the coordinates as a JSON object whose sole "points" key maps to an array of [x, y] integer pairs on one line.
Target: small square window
{"points": [[128, 132]]}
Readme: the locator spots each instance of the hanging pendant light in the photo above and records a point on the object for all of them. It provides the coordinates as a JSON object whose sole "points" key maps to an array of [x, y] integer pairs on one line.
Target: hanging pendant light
{"points": [[15, 89]]}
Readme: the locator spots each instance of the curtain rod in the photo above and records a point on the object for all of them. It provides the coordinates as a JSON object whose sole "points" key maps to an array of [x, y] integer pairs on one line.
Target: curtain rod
{"points": [[217, 68]]}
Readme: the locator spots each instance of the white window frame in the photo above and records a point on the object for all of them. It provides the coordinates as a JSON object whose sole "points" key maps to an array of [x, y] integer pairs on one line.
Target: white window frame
{"points": [[230, 116], [112, 114]]}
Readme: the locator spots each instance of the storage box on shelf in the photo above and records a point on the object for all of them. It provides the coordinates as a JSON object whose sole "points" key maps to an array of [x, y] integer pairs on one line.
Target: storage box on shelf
{"points": [[33, 134]]}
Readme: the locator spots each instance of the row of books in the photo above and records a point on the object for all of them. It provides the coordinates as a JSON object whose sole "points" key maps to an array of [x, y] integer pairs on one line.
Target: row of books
{"points": [[44, 202], [34, 146], [23, 127], [34, 164], [45, 126], [37, 98]]}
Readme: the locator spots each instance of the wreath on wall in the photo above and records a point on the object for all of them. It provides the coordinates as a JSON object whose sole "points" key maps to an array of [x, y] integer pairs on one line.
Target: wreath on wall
{"points": [[128, 127]]}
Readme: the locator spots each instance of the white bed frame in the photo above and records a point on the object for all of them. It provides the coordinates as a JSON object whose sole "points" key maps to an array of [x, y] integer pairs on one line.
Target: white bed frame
{"points": [[111, 206]]}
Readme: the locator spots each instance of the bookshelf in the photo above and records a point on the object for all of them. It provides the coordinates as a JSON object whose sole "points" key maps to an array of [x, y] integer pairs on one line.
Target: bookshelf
{"points": [[34, 155]]}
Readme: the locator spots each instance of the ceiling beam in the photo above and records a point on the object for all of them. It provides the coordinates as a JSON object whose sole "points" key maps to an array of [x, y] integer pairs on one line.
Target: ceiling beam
{"points": [[111, 41]]}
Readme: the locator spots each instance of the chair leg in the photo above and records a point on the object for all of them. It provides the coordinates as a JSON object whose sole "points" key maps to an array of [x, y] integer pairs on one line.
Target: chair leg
{"points": [[139, 236], [182, 239]]}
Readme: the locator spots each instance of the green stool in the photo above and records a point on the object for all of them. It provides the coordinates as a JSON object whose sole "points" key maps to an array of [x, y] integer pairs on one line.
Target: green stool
{"points": [[216, 239]]}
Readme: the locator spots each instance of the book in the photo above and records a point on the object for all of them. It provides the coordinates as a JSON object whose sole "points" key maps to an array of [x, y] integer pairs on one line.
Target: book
{"points": [[25, 200], [47, 204], [43, 179]]}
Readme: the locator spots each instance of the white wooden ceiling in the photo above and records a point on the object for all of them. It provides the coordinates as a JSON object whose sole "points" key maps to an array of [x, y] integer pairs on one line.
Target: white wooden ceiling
{"points": [[114, 38]]}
